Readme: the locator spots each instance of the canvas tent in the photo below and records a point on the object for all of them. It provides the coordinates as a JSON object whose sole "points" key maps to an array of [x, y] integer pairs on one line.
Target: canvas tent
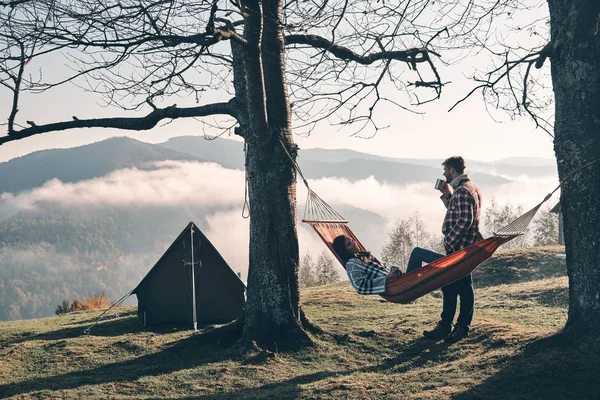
{"points": [[190, 284]]}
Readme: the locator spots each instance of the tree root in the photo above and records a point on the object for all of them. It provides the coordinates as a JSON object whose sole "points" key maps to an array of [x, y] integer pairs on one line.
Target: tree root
{"points": [[289, 337], [252, 339], [227, 333]]}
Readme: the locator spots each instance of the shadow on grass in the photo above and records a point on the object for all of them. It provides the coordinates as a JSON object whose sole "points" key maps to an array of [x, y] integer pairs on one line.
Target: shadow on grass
{"points": [[201, 350], [549, 368], [184, 354], [288, 389], [410, 356], [116, 327], [125, 324], [557, 297], [413, 356]]}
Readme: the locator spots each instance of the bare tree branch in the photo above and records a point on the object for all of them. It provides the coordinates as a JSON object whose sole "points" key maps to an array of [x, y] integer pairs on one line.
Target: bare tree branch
{"points": [[132, 123], [414, 55], [508, 66], [13, 3]]}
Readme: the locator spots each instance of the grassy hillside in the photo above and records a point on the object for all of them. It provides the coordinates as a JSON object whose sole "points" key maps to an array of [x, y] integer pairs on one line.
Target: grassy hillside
{"points": [[521, 265], [370, 350]]}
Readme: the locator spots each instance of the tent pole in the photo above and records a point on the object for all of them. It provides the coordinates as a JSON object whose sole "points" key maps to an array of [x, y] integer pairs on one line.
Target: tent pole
{"points": [[193, 281]]}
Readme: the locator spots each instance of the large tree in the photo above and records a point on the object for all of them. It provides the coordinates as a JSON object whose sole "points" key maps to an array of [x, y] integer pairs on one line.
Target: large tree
{"points": [[574, 53], [567, 34]]}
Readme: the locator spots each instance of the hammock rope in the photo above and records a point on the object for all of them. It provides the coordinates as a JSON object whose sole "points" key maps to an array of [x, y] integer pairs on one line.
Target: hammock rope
{"points": [[317, 209], [519, 225]]}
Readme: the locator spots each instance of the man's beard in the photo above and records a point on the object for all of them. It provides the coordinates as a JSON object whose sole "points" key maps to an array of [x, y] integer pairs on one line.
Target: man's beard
{"points": [[448, 179]]}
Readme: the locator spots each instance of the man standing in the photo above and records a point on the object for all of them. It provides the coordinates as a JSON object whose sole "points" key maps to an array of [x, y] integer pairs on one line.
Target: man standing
{"points": [[460, 229]]}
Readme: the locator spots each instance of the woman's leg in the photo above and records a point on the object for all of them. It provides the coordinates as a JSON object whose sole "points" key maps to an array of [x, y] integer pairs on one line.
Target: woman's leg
{"points": [[418, 256]]}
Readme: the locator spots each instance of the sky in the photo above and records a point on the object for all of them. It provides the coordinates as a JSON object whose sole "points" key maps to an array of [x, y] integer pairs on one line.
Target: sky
{"points": [[470, 130]]}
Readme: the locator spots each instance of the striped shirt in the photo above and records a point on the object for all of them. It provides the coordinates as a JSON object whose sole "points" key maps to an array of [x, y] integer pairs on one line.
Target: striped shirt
{"points": [[366, 277], [461, 224]]}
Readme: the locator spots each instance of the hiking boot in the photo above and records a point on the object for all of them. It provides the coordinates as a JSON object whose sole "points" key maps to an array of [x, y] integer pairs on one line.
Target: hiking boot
{"points": [[439, 332], [460, 332]]}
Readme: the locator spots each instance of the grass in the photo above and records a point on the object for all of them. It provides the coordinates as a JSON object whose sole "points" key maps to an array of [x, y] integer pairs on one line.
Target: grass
{"points": [[370, 350]]}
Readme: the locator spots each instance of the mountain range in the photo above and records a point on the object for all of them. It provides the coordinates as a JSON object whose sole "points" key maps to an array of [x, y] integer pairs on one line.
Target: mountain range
{"points": [[99, 159]]}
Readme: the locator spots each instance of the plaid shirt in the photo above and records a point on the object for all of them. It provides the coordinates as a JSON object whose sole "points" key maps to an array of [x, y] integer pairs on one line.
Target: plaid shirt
{"points": [[461, 224], [366, 277]]}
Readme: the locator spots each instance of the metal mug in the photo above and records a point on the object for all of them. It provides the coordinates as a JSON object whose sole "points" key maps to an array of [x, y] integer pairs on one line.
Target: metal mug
{"points": [[439, 184]]}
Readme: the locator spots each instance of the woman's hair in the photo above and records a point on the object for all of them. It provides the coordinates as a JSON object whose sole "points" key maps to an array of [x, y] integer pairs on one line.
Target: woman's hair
{"points": [[339, 246]]}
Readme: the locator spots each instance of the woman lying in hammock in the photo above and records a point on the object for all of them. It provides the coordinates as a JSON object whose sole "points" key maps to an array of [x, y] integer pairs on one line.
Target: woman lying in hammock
{"points": [[367, 274]]}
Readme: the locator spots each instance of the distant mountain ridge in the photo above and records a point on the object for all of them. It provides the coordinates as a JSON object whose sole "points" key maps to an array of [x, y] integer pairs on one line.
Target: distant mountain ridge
{"points": [[533, 166], [82, 163], [99, 159], [322, 163], [229, 153]]}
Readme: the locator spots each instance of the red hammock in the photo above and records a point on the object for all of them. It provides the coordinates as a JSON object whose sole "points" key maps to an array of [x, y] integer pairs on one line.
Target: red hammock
{"points": [[408, 287], [405, 288]]}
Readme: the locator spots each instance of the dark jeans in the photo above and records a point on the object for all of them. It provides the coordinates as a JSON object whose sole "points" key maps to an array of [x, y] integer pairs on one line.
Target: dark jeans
{"points": [[418, 256], [462, 287]]}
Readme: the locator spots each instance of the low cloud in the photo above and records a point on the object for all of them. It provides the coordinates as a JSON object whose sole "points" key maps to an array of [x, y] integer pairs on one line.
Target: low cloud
{"points": [[168, 183], [229, 233], [213, 197], [527, 194]]}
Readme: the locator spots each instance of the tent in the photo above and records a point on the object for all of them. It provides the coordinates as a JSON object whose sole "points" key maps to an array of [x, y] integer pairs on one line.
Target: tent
{"points": [[190, 284]]}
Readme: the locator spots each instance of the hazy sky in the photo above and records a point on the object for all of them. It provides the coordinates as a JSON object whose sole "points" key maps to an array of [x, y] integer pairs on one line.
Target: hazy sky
{"points": [[469, 130]]}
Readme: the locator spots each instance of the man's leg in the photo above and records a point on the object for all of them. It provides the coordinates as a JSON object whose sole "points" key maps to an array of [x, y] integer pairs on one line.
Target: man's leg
{"points": [[467, 302], [450, 297], [418, 256], [444, 327]]}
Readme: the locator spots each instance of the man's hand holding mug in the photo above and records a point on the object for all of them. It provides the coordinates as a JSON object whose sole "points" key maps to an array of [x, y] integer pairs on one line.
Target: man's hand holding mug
{"points": [[442, 186]]}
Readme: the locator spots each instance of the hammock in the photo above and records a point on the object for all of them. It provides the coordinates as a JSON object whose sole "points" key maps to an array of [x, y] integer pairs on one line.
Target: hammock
{"points": [[407, 287]]}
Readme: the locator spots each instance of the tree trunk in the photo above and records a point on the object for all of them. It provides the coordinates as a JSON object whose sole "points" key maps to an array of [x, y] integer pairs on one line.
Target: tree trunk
{"points": [[272, 317], [575, 61]]}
